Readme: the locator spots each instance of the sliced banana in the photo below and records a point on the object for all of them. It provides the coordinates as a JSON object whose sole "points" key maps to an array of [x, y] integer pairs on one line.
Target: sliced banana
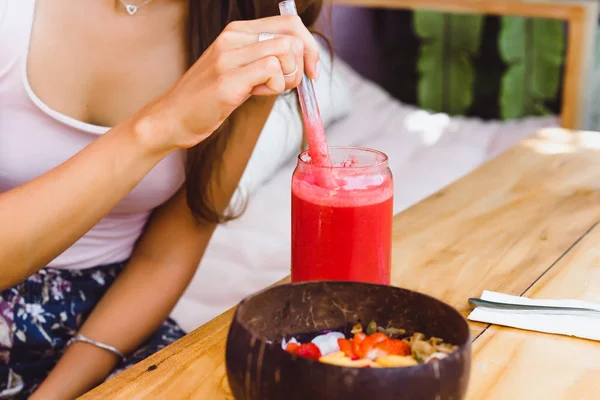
{"points": [[337, 354], [334, 359], [396, 361]]}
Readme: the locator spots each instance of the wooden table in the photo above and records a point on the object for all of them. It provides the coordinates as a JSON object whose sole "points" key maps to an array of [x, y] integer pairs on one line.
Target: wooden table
{"points": [[525, 223]]}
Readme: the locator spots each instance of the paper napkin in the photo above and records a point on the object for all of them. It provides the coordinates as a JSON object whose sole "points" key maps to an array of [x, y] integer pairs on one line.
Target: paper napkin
{"points": [[583, 326]]}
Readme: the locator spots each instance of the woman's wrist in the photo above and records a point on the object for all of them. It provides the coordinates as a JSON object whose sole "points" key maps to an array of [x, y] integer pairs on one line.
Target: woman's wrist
{"points": [[81, 367], [155, 130]]}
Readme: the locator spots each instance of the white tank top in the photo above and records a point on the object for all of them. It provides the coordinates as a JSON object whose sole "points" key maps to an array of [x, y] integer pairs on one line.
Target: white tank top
{"points": [[35, 139]]}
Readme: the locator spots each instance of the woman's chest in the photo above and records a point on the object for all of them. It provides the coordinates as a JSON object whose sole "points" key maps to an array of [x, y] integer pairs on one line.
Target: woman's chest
{"points": [[43, 122], [100, 66], [54, 86]]}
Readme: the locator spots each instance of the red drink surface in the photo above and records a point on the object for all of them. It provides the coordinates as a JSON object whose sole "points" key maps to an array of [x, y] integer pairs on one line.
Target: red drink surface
{"points": [[343, 233]]}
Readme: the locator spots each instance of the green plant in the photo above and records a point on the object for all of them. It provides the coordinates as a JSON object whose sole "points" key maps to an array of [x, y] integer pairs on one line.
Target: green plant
{"points": [[448, 44], [531, 48], [534, 51]]}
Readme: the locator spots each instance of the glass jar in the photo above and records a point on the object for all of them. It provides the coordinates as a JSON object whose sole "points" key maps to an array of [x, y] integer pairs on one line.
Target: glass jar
{"points": [[343, 230]]}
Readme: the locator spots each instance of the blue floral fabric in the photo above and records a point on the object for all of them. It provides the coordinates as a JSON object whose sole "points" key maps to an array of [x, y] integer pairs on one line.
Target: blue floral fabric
{"points": [[40, 315]]}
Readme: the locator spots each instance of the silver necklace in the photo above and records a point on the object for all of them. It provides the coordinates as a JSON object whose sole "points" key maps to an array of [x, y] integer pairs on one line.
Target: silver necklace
{"points": [[132, 9]]}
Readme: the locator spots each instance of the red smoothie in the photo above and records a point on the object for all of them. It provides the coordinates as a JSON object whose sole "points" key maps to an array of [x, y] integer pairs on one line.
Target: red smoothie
{"points": [[345, 232]]}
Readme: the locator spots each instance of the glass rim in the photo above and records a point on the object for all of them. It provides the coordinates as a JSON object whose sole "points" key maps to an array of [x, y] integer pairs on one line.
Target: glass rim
{"points": [[382, 162]]}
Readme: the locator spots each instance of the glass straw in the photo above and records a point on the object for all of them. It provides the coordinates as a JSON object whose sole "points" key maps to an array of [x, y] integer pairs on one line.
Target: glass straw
{"points": [[315, 132]]}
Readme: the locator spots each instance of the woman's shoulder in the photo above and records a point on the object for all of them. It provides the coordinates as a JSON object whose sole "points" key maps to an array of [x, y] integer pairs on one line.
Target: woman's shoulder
{"points": [[15, 26]]}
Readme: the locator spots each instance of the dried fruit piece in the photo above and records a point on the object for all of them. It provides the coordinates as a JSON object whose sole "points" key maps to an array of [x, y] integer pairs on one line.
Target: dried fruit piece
{"points": [[371, 328], [435, 357], [392, 332], [309, 350], [292, 347], [445, 348], [422, 347], [356, 329]]}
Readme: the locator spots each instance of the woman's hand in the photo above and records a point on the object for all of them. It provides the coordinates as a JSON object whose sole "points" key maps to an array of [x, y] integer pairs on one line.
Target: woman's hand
{"points": [[235, 67]]}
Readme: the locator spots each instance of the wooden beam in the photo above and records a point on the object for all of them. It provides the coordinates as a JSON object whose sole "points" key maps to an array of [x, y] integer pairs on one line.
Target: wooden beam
{"points": [[584, 63], [571, 84], [543, 9]]}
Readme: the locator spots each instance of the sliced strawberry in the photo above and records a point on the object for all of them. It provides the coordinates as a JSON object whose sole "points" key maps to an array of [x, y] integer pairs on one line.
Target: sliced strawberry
{"points": [[309, 350], [395, 347], [346, 347], [369, 344], [358, 338]]}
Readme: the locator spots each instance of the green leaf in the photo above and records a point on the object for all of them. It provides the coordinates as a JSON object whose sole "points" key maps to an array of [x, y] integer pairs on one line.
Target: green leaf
{"points": [[512, 104], [459, 31], [534, 50], [428, 24], [446, 71], [548, 56], [511, 42], [446, 82]]}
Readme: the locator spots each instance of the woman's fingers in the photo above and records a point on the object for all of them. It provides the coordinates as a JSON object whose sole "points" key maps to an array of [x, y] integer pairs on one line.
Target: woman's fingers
{"points": [[236, 66], [288, 50], [288, 25], [299, 60], [262, 77]]}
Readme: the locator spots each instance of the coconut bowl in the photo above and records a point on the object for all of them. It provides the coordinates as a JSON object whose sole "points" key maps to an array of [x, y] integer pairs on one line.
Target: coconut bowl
{"points": [[259, 369]]}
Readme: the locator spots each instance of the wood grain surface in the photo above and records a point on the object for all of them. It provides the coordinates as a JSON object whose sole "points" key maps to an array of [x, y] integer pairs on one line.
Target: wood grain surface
{"points": [[514, 364], [503, 225], [500, 228]]}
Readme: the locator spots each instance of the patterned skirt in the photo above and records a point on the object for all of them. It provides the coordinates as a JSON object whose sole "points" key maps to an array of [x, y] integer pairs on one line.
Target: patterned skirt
{"points": [[40, 315]]}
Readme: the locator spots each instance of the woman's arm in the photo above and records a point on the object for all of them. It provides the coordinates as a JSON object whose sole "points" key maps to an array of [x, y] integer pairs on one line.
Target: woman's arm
{"points": [[75, 196], [162, 266], [80, 192]]}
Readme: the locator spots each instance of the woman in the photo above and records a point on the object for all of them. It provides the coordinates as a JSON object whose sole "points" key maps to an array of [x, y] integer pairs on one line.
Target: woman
{"points": [[102, 229]]}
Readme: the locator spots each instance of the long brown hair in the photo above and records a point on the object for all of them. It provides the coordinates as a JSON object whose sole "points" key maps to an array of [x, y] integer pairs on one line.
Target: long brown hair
{"points": [[207, 19]]}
